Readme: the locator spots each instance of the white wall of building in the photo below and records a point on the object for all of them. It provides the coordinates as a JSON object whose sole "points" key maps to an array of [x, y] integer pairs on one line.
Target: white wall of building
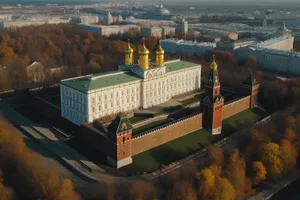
{"points": [[154, 89]]}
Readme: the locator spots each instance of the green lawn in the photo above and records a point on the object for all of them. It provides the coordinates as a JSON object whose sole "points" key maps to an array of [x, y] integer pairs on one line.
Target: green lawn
{"points": [[169, 152], [135, 119], [181, 147]]}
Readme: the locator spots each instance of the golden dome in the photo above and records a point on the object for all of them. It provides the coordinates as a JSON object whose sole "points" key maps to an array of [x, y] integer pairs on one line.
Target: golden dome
{"points": [[214, 64], [129, 49], [144, 50], [160, 50]]}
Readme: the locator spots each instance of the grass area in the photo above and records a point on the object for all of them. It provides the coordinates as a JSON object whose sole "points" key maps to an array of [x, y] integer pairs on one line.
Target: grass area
{"points": [[165, 154], [149, 126], [135, 119], [243, 119], [169, 152]]}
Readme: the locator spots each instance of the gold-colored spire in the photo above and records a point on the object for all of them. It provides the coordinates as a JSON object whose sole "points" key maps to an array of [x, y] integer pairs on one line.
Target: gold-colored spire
{"points": [[144, 57], [160, 49], [160, 58], [214, 65], [129, 54], [129, 49], [144, 49]]}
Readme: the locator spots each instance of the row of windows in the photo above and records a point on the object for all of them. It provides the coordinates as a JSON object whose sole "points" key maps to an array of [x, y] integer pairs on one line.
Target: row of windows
{"points": [[112, 111], [112, 95], [73, 94], [75, 105], [73, 115], [117, 103]]}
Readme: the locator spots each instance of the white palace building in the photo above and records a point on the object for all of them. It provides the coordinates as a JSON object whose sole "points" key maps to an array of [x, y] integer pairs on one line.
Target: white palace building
{"points": [[133, 86]]}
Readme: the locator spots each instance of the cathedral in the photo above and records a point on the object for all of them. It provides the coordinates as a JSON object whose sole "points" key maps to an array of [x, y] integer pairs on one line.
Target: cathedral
{"points": [[136, 85]]}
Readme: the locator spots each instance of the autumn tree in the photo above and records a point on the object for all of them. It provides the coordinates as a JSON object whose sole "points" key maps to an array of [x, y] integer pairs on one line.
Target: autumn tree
{"points": [[182, 190], [288, 156], [290, 122], [93, 67], [141, 190], [258, 172], [269, 154], [207, 183], [290, 134], [215, 155], [224, 190], [29, 175], [257, 136]]}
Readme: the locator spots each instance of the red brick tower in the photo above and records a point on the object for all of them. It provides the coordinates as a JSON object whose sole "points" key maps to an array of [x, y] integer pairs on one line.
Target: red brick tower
{"points": [[213, 102], [251, 86], [121, 130]]}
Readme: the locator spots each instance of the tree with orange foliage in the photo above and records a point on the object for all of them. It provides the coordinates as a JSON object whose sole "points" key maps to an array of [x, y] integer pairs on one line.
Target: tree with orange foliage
{"points": [[141, 190], [235, 172], [258, 172], [290, 134], [288, 155], [257, 136], [207, 183], [269, 154], [290, 122], [182, 190], [29, 174], [66, 191], [224, 190], [215, 155]]}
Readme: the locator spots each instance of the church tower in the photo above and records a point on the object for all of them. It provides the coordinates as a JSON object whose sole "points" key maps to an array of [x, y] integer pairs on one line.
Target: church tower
{"points": [[129, 55], [144, 57], [251, 87], [213, 102], [160, 56], [120, 132]]}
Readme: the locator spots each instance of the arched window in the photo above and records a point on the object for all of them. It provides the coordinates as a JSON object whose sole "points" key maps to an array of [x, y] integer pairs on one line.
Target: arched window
{"points": [[123, 139]]}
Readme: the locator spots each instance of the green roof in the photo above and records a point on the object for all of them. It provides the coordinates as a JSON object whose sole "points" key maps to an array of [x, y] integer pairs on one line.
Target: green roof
{"points": [[119, 125], [179, 65], [87, 83]]}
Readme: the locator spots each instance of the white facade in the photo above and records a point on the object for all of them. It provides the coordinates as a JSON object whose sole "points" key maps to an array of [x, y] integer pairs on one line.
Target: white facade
{"points": [[182, 27], [159, 32], [186, 47], [148, 88], [285, 43], [32, 22], [272, 60], [108, 30]]}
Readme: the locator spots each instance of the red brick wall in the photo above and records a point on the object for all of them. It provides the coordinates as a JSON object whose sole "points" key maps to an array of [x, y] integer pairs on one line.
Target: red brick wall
{"points": [[124, 145], [236, 107], [218, 116], [164, 135]]}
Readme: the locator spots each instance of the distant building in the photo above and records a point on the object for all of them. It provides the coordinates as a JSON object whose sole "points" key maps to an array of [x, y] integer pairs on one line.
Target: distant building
{"points": [[159, 32], [32, 22], [108, 30], [36, 72], [158, 12], [182, 27], [109, 19], [271, 59], [231, 45], [5, 17], [183, 47], [89, 19]]}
